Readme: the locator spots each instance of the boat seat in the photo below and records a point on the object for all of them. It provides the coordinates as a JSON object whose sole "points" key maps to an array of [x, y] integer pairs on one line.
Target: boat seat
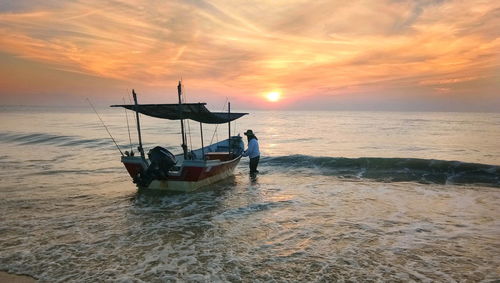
{"points": [[218, 155]]}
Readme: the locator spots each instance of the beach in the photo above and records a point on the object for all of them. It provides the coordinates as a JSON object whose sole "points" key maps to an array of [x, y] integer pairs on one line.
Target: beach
{"points": [[12, 278]]}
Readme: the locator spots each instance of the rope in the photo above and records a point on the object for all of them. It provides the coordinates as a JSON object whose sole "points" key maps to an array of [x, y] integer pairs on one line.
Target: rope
{"points": [[183, 100], [216, 126]]}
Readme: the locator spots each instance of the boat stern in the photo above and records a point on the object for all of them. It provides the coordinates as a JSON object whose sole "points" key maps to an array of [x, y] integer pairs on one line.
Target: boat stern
{"points": [[134, 165]]}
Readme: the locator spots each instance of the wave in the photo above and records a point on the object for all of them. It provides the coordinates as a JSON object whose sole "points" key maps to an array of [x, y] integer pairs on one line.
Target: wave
{"points": [[64, 141], [394, 169], [51, 139]]}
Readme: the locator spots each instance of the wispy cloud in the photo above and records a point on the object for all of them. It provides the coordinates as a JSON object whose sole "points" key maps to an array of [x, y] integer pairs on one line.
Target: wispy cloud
{"points": [[301, 47]]}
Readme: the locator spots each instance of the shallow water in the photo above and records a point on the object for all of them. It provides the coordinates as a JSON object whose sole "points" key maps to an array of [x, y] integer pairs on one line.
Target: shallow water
{"points": [[341, 196]]}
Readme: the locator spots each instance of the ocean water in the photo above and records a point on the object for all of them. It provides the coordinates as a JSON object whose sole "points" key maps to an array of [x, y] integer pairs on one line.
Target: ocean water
{"points": [[341, 196]]}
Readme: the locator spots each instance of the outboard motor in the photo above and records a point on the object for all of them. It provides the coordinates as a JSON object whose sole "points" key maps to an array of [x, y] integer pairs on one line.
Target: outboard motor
{"points": [[161, 161]]}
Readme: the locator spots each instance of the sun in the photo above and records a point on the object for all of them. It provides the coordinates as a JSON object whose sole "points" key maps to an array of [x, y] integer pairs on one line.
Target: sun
{"points": [[273, 96]]}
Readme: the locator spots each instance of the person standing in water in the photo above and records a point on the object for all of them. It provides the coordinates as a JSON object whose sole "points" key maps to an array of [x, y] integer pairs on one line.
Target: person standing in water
{"points": [[252, 151]]}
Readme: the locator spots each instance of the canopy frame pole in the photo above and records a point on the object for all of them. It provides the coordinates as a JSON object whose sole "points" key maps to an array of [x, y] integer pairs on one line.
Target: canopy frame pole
{"points": [[141, 150], [184, 146], [229, 126], [202, 146]]}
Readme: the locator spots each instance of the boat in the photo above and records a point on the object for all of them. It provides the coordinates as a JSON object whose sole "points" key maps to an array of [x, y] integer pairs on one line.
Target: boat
{"points": [[192, 169]]}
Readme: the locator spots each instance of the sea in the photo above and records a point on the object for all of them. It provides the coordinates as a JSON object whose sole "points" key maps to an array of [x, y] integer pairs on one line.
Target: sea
{"points": [[341, 196]]}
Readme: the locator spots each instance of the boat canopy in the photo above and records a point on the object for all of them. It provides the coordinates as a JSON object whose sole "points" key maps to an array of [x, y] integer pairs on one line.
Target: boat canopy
{"points": [[194, 111]]}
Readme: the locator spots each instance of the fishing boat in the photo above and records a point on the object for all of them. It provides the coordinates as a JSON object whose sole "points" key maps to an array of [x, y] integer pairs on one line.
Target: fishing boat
{"points": [[192, 169]]}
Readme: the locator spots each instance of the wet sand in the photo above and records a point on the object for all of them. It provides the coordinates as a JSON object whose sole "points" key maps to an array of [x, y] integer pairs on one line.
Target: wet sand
{"points": [[12, 278]]}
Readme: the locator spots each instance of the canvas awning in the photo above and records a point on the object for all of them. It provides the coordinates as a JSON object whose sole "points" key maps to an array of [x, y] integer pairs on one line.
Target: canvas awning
{"points": [[194, 111]]}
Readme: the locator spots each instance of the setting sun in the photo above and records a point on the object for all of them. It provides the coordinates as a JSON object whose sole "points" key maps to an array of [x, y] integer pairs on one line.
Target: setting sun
{"points": [[273, 96]]}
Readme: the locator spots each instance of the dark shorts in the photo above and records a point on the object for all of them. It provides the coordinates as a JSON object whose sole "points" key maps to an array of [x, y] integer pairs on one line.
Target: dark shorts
{"points": [[254, 162]]}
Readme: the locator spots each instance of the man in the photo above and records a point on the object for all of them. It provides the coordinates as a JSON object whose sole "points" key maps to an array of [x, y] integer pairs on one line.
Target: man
{"points": [[252, 151]]}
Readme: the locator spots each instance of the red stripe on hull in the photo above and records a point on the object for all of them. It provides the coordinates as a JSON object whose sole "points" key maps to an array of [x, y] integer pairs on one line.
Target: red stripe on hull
{"points": [[194, 174], [133, 168], [188, 173]]}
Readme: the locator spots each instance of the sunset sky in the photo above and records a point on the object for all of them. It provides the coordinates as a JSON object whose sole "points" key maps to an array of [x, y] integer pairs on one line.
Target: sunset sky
{"points": [[373, 55]]}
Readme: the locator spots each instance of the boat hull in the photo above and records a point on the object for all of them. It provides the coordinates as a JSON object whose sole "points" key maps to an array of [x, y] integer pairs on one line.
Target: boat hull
{"points": [[195, 177], [204, 167]]}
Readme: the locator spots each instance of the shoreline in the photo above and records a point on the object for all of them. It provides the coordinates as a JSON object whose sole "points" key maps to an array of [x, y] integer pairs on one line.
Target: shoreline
{"points": [[15, 278]]}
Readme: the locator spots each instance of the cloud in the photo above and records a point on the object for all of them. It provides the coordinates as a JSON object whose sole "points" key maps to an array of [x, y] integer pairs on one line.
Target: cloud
{"points": [[301, 47], [446, 81]]}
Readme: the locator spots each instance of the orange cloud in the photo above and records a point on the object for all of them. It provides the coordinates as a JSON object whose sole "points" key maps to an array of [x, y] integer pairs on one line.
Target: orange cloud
{"points": [[325, 47]]}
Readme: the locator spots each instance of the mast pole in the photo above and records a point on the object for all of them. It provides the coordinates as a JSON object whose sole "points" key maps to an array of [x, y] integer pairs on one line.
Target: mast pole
{"points": [[184, 146], [141, 150], [229, 126]]}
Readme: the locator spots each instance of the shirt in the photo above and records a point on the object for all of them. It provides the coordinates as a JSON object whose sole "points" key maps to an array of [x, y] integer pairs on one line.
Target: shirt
{"points": [[253, 149]]}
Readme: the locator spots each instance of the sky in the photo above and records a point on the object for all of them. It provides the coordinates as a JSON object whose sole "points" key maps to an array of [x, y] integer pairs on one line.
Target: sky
{"points": [[342, 55]]}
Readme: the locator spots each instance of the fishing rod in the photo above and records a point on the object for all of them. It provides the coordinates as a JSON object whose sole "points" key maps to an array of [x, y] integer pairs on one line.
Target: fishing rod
{"points": [[131, 102], [184, 99], [107, 130]]}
